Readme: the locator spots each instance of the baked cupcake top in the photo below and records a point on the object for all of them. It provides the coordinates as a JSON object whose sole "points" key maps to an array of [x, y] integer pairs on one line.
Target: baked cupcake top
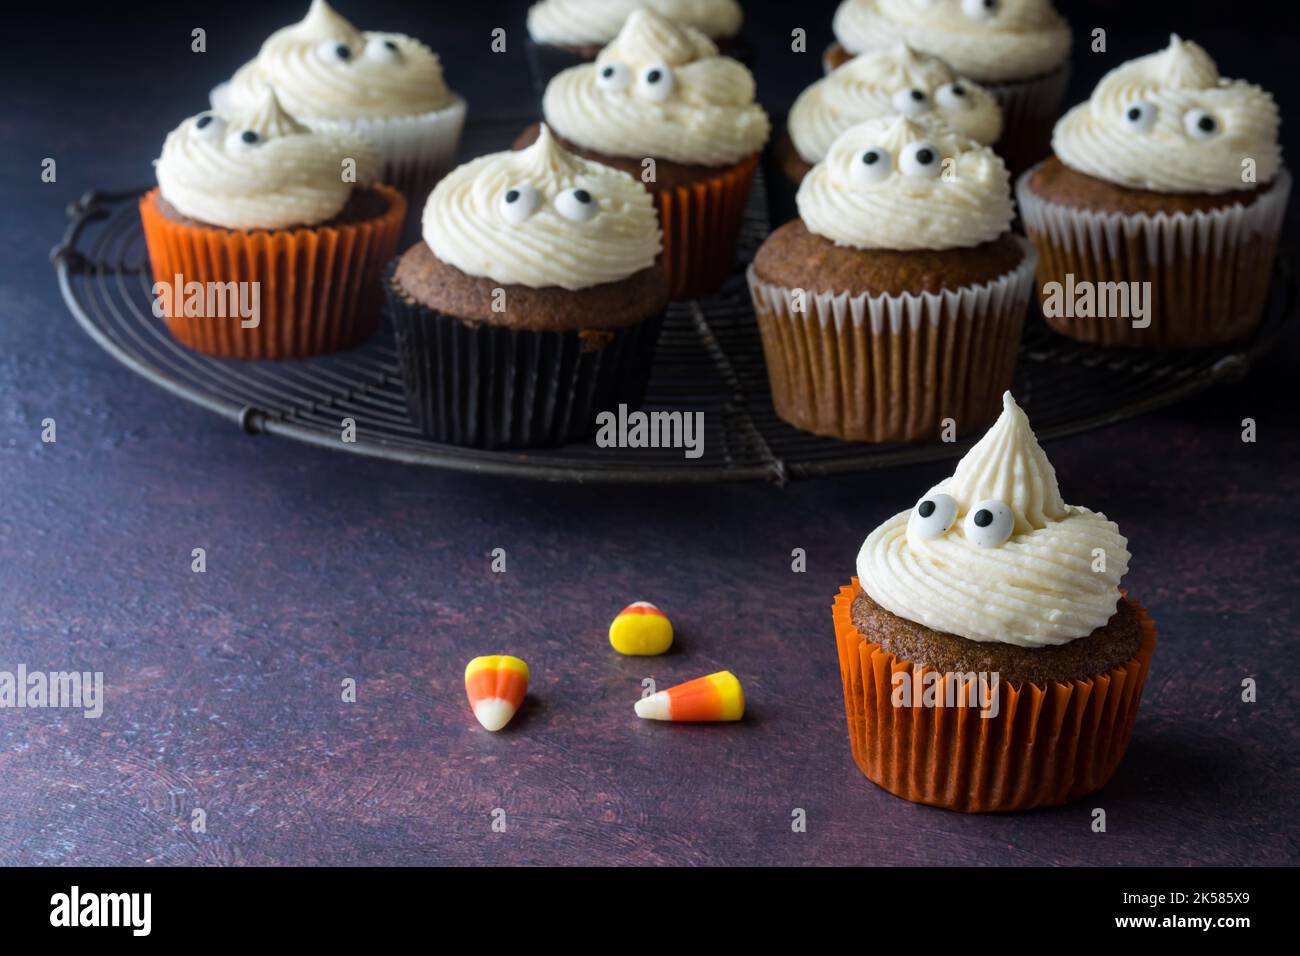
{"points": [[885, 82], [323, 68], [1167, 122], [588, 22], [542, 217], [895, 184], [994, 554], [987, 40], [260, 169], [660, 90]]}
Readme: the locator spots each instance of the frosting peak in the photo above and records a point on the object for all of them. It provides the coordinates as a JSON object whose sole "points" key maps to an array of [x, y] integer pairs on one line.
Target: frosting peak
{"points": [[1169, 123], [659, 90], [587, 22], [269, 118], [542, 217], [994, 554]]}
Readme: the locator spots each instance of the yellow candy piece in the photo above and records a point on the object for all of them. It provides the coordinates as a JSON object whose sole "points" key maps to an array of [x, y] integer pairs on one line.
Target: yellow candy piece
{"points": [[641, 630]]}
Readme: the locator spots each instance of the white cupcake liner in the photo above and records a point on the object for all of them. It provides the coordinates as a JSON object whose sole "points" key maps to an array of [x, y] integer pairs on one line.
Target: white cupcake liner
{"points": [[1030, 109], [892, 367], [1209, 270]]}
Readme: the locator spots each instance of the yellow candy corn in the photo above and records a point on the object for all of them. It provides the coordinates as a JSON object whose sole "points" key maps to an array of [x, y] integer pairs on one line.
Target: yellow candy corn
{"points": [[716, 697], [496, 686], [641, 629]]}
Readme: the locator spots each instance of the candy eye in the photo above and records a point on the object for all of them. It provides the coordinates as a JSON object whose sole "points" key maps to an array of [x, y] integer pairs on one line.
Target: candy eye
{"points": [[613, 77], [244, 140], [209, 126], [953, 96], [989, 524], [932, 517], [655, 83], [1140, 116], [871, 165], [382, 50], [911, 102], [332, 51], [518, 203], [980, 9], [576, 204], [1200, 124], [920, 159]]}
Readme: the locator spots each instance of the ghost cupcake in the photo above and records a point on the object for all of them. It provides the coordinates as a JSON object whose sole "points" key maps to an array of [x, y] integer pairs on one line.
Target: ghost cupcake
{"points": [[874, 85], [385, 87], [1005, 602], [891, 310], [565, 33], [662, 105], [533, 302], [1019, 49], [1167, 186], [290, 221]]}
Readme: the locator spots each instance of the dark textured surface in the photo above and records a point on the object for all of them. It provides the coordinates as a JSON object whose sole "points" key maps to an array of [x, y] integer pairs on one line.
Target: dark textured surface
{"points": [[223, 688]]}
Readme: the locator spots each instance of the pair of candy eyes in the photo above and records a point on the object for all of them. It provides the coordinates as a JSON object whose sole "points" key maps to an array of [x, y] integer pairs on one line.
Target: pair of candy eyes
{"points": [[875, 163], [212, 127], [377, 48], [520, 202], [987, 525], [655, 82], [911, 101], [1198, 124]]}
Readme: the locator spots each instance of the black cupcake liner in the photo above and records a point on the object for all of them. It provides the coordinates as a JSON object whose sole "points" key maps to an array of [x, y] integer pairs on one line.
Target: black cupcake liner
{"points": [[486, 386]]}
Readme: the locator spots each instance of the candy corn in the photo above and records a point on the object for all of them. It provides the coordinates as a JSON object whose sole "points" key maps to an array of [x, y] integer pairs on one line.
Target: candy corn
{"points": [[496, 686], [641, 629], [716, 697]]}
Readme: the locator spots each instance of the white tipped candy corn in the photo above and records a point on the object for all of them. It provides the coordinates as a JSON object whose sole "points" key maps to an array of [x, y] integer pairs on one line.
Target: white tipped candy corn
{"points": [[496, 686], [716, 697]]}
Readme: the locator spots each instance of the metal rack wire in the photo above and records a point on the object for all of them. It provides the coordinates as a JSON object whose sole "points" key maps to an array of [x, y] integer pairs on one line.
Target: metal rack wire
{"points": [[709, 359]]}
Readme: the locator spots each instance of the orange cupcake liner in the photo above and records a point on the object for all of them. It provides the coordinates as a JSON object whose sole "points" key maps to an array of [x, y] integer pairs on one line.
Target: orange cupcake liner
{"points": [[319, 287], [1046, 746], [701, 224]]}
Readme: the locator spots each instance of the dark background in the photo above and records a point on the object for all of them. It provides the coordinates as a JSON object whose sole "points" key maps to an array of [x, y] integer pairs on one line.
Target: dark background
{"points": [[223, 688]]}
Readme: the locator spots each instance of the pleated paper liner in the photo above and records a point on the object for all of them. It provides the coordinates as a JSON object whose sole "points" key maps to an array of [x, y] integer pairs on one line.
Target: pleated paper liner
{"points": [[319, 287], [1209, 271], [1046, 746], [486, 386], [893, 368], [701, 223]]}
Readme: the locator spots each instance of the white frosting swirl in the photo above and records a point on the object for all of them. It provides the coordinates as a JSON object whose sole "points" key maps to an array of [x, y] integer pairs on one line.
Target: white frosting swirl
{"points": [[286, 176], [1167, 122], [876, 85], [965, 199], [1040, 587], [323, 68], [512, 217], [671, 97], [987, 40], [586, 22]]}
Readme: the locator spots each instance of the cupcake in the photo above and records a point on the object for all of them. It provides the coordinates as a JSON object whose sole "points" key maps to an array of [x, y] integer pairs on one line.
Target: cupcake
{"points": [[1157, 220], [385, 87], [533, 302], [874, 85], [565, 33], [662, 105], [262, 212], [1019, 49], [891, 310], [989, 659]]}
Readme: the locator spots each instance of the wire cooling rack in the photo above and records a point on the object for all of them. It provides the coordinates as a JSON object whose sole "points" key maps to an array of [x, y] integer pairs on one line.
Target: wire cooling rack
{"points": [[709, 359]]}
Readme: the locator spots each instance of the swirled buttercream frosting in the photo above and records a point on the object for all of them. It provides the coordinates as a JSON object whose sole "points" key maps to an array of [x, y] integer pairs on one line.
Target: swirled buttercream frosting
{"points": [[886, 82], [1168, 122], [659, 90], [260, 169], [897, 184], [986, 40], [324, 68], [542, 217], [994, 554], [587, 22]]}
